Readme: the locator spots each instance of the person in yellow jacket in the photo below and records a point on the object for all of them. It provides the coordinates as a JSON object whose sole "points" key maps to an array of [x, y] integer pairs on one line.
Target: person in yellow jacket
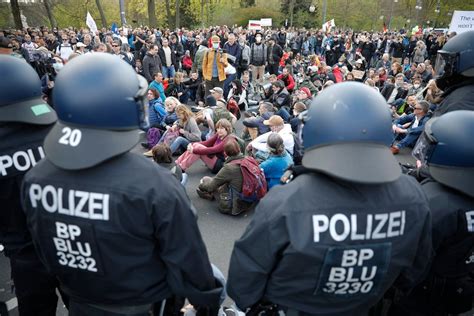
{"points": [[213, 65]]}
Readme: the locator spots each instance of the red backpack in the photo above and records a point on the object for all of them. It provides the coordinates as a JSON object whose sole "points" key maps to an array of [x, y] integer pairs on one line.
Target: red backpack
{"points": [[254, 185], [233, 108]]}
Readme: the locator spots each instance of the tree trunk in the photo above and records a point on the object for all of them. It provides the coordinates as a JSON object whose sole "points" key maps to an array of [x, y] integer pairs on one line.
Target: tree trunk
{"points": [[151, 14], [16, 14], [202, 13], [49, 11], [168, 13], [101, 12], [292, 9], [176, 14]]}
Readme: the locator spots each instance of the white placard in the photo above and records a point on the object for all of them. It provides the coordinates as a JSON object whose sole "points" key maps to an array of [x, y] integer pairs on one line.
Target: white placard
{"points": [[266, 22], [255, 25], [462, 21]]}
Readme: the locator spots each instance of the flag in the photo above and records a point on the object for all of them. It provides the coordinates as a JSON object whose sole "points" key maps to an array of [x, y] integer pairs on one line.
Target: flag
{"points": [[385, 27], [114, 28], [328, 25], [91, 23], [417, 30]]}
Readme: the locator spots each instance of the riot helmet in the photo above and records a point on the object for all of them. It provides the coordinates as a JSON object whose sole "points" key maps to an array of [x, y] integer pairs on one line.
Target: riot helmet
{"points": [[20, 94], [455, 60], [347, 134], [446, 148], [100, 103]]}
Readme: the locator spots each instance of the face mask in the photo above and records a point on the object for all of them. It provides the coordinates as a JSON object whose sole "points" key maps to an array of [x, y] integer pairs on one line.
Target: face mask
{"points": [[416, 86], [215, 45], [258, 39]]}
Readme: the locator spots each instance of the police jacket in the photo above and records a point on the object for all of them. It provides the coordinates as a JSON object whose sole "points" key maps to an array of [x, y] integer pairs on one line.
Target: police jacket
{"points": [[334, 247], [459, 97], [122, 232], [20, 149], [453, 230]]}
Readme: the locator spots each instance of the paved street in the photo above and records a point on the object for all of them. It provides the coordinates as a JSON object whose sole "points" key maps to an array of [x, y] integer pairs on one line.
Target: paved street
{"points": [[219, 232]]}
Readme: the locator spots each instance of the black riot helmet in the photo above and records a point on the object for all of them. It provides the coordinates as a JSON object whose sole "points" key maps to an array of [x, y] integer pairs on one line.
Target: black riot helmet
{"points": [[350, 122], [20, 94], [455, 60], [447, 149], [100, 102]]}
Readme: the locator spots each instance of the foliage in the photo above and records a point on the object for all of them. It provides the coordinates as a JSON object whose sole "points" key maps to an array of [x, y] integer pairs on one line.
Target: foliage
{"points": [[356, 14]]}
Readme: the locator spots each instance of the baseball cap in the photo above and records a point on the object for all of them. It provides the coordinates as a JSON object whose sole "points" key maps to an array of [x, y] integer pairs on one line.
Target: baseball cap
{"points": [[217, 90], [306, 91], [274, 120]]}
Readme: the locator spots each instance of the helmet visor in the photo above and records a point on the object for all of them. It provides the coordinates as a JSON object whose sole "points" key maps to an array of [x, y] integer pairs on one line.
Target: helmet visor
{"points": [[425, 145], [446, 64]]}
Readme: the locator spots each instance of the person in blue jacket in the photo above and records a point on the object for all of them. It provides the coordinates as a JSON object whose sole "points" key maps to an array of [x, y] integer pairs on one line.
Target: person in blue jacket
{"points": [[278, 161], [409, 127]]}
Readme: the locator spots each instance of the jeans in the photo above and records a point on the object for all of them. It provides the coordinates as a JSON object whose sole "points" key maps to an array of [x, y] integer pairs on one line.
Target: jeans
{"points": [[283, 112], [178, 143], [168, 72], [227, 82]]}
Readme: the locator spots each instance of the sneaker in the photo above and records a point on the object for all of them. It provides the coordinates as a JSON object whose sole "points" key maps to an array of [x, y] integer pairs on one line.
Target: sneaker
{"points": [[148, 153], [184, 178], [145, 145]]}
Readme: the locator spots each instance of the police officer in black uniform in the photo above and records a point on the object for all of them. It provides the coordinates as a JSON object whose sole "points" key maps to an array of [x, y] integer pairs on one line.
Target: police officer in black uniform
{"points": [[447, 149], [118, 231], [333, 240], [25, 119], [455, 74]]}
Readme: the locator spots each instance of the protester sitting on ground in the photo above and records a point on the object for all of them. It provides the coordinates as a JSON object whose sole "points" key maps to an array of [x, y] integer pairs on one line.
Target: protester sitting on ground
{"points": [[287, 79], [408, 128], [157, 84], [226, 185], [277, 162], [305, 96], [239, 94], [156, 110], [253, 126], [281, 99], [433, 94], [184, 131], [177, 88], [393, 92], [258, 147], [192, 86], [404, 107], [161, 154], [216, 111], [296, 119], [170, 105], [211, 151]]}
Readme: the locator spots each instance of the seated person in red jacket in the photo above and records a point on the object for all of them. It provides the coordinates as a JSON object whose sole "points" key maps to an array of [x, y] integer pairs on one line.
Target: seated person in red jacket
{"points": [[287, 79], [211, 151]]}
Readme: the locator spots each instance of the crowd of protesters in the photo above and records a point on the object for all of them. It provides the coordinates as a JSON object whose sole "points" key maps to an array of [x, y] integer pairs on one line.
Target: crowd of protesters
{"points": [[267, 79]]}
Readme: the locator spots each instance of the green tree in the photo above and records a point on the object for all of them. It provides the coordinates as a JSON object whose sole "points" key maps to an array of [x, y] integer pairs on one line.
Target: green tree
{"points": [[247, 3], [15, 7]]}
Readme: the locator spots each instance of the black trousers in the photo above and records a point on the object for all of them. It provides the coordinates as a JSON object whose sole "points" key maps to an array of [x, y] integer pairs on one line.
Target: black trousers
{"points": [[35, 288]]}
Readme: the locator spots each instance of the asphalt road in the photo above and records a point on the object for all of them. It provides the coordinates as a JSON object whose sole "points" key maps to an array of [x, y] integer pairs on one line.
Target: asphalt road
{"points": [[219, 232]]}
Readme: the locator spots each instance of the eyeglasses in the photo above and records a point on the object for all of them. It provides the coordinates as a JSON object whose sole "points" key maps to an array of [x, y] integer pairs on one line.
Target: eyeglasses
{"points": [[114, 45], [418, 109]]}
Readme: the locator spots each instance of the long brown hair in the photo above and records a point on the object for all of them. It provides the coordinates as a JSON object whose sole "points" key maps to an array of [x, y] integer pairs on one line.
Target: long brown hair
{"points": [[185, 111]]}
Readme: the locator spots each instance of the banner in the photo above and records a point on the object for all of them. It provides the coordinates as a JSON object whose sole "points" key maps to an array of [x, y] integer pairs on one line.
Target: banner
{"points": [[462, 21], [91, 23], [255, 25], [266, 22], [328, 25]]}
